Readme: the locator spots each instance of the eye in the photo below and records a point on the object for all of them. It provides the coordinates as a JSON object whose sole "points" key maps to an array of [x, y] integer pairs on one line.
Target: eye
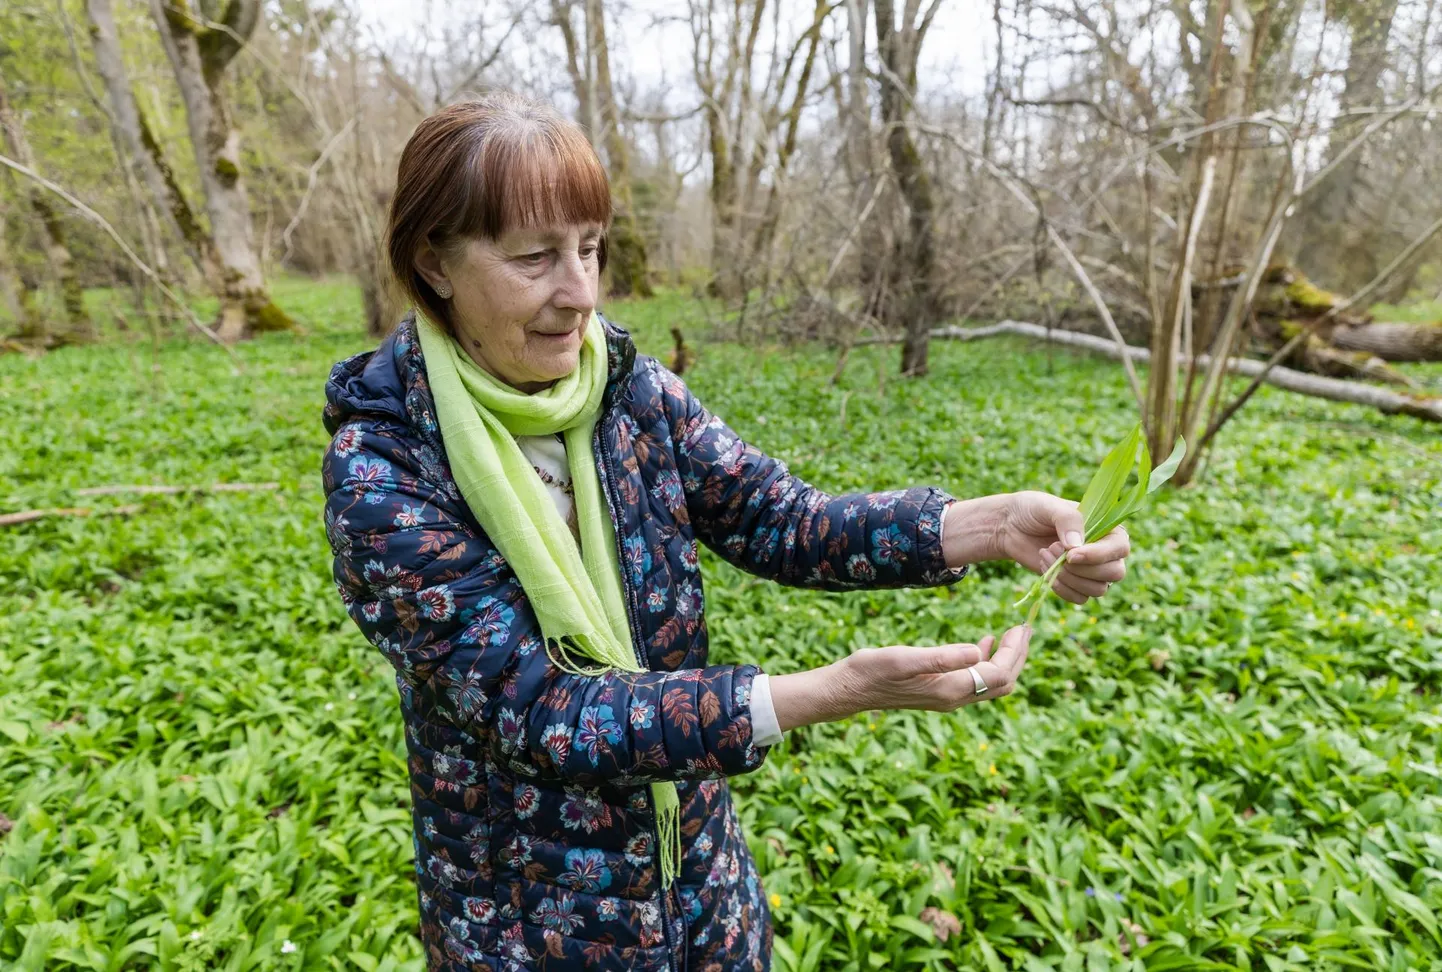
{"points": [[588, 250], [535, 259]]}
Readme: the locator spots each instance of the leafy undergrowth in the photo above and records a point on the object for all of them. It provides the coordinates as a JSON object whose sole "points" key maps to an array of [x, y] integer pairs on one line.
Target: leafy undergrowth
{"points": [[1231, 763]]}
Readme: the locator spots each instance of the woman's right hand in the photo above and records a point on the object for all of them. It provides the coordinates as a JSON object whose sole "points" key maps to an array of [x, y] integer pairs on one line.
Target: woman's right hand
{"points": [[938, 678]]}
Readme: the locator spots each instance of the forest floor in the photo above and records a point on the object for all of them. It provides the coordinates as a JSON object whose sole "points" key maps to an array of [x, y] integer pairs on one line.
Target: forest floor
{"points": [[1230, 763]]}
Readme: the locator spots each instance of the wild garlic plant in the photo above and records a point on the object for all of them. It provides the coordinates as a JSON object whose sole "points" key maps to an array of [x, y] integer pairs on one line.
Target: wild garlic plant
{"points": [[1108, 501]]}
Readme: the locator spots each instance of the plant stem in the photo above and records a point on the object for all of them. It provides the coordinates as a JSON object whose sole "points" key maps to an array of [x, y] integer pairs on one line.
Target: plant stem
{"points": [[1042, 587]]}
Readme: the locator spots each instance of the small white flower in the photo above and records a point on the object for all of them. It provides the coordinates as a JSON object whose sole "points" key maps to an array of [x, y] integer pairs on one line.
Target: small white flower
{"points": [[351, 696], [329, 706], [195, 935], [288, 947]]}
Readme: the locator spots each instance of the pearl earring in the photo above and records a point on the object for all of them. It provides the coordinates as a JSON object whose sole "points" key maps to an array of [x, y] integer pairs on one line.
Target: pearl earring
{"points": [[443, 291]]}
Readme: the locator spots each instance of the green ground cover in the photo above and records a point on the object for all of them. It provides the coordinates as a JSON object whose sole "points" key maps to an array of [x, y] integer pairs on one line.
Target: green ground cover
{"points": [[1232, 763]]}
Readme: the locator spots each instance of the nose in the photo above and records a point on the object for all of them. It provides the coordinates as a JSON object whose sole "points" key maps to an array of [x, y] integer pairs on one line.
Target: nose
{"points": [[576, 286]]}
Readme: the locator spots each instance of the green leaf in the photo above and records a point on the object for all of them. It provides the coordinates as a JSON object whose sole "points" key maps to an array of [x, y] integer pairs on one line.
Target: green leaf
{"points": [[1166, 470], [1126, 506], [1109, 478], [918, 928], [17, 731]]}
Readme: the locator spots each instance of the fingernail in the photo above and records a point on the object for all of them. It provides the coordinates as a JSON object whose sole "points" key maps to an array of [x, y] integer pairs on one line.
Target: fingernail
{"points": [[1073, 539]]}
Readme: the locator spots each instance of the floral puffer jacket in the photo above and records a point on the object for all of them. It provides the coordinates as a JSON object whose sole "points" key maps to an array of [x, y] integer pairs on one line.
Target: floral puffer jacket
{"points": [[535, 840]]}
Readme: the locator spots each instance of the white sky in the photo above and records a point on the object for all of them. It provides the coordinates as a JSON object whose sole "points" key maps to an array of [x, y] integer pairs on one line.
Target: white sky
{"points": [[653, 54]]}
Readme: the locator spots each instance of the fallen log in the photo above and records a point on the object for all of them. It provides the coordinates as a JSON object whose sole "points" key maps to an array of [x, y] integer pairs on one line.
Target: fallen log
{"points": [[1333, 389], [1392, 340], [1322, 358]]}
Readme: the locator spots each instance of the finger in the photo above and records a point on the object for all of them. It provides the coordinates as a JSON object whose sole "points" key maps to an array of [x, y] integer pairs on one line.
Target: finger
{"points": [[1067, 593], [1108, 573], [1069, 524], [1082, 585], [1021, 661], [956, 689], [1013, 642], [937, 659], [1114, 546], [986, 645]]}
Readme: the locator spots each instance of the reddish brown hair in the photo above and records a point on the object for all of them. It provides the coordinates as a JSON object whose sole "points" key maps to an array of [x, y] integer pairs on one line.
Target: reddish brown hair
{"points": [[479, 168]]}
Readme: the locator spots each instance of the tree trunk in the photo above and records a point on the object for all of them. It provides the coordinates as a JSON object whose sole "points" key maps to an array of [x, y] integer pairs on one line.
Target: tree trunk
{"points": [[199, 56], [1167, 343], [1332, 246], [81, 328], [725, 281], [625, 247], [134, 133], [10, 285], [578, 66], [862, 162], [724, 136], [912, 303], [1393, 341]]}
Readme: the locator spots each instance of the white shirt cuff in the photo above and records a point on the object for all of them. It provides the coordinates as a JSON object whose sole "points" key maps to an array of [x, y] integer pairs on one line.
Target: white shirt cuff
{"points": [[765, 730], [941, 538]]}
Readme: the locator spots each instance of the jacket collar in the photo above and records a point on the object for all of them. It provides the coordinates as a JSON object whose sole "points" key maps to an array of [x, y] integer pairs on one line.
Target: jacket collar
{"points": [[390, 381]]}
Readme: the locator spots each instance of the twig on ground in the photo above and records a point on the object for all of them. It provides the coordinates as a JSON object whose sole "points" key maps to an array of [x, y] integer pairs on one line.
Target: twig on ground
{"points": [[28, 516], [143, 488]]}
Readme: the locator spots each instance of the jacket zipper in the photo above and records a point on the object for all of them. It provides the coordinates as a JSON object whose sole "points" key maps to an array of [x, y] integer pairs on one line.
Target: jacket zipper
{"points": [[632, 610]]}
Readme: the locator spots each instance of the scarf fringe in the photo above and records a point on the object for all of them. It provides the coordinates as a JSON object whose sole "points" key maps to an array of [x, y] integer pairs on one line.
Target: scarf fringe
{"points": [[565, 664], [668, 830]]}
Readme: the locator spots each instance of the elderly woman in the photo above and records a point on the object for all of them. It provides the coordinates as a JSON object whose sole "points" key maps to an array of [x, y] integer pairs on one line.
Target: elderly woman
{"points": [[514, 500]]}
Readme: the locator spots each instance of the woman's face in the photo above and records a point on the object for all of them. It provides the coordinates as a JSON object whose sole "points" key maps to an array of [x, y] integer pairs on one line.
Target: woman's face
{"points": [[522, 302]]}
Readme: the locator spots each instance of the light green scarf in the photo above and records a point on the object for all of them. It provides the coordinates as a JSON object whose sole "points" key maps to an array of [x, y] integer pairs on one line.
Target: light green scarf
{"points": [[576, 594]]}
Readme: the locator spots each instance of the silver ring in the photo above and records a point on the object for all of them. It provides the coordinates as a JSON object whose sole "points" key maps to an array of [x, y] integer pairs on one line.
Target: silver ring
{"points": [[981, 687]]}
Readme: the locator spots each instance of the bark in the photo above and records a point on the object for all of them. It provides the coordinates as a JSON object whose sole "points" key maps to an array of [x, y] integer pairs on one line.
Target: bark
{"points": [[858, 105], [57, 253], [135, 135], [724, 134], [626, 248], [912, 303], [1334, 389], [1333, 247], [725, 282], [578, 66], [861, 159], [1167, 343], [10, 284], [199, 56], [1392, 340]]}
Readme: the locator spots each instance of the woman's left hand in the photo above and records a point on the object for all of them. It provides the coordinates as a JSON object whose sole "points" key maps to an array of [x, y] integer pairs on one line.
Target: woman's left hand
{"points": [[1033, 528]]}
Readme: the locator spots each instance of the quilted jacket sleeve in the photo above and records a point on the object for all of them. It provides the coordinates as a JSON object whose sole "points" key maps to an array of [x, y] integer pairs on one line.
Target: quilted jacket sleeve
{"points": [[448, 612], [752, 511]]}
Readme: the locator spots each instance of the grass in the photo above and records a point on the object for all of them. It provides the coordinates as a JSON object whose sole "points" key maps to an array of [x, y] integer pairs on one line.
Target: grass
{"points": [[1231, 763]]}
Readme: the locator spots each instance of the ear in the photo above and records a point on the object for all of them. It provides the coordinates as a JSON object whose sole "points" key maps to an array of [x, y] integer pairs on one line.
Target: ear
{"points": [[428, 265]]}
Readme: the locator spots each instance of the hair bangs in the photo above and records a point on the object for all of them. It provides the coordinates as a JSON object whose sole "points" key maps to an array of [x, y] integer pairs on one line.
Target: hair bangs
{"points": [[546, 176]]}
